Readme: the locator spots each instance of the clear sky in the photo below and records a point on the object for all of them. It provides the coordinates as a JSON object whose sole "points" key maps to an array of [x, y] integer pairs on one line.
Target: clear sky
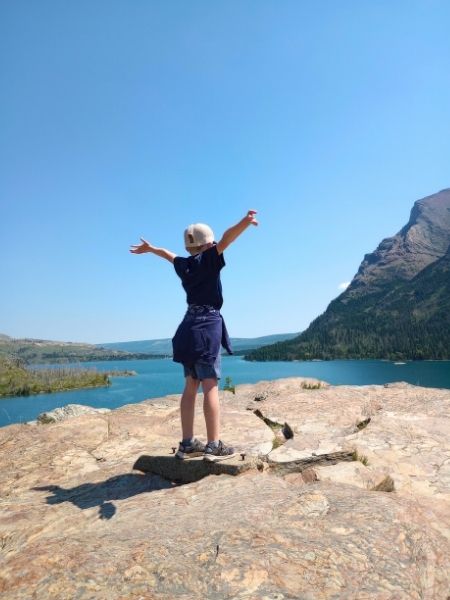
{"points": [[123, 119]]}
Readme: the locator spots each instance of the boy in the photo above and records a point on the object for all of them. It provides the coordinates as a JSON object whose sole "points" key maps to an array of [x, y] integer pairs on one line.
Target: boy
{"points": [[198, 339]]}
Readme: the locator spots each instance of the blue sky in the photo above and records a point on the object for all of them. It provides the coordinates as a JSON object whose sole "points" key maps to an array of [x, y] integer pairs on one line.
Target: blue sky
{"points": [[124, 119]]}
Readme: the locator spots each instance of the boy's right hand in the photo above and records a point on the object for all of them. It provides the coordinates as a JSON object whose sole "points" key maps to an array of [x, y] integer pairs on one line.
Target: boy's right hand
{"points": [[141, 248]]}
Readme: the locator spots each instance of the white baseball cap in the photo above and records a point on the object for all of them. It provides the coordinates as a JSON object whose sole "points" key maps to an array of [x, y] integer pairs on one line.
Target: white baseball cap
{"points": [[198, 234]]}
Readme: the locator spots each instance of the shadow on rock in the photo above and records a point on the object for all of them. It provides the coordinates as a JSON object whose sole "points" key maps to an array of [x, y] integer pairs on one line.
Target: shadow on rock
{"points": [[101, 494], [188, 471]]}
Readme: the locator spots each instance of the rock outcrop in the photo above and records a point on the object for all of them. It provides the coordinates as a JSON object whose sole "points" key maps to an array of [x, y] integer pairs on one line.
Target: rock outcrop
{"points": [[335, 492], [66, 412]]}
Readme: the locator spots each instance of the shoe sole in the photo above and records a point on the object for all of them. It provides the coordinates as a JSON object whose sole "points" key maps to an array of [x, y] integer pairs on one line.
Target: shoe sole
{"points": [[187, 455], [215, 457]]}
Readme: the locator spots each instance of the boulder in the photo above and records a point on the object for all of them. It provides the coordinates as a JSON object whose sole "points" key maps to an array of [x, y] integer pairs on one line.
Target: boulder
{"points": [[66, 412]]}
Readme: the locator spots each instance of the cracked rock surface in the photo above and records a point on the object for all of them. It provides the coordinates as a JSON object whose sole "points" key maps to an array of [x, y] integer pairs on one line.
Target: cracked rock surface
{"points": [[296, 518]]}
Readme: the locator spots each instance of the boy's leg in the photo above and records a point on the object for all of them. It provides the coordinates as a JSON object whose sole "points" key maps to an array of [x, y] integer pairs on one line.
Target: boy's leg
{"points": [[211, 408], [187, 406]]}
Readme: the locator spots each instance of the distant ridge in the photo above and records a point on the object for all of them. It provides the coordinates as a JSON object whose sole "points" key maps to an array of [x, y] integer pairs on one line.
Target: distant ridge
{"points": [[397, 305], [164, 346], [40, 351]]}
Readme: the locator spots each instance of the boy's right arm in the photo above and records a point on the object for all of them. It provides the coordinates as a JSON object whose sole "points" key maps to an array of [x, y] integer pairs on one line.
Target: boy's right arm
{"points": [[147, 247], [233, 232]]}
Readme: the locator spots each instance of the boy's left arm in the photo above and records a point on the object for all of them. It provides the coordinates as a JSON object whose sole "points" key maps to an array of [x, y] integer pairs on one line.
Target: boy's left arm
{"points": [[147, 247], [234, 232]]}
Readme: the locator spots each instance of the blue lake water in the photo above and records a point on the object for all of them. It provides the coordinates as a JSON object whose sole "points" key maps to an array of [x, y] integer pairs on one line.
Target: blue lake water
{"points": [[160, 377]]}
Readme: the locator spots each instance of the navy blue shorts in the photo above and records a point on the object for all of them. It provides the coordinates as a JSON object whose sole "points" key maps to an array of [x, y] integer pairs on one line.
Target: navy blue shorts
{"points": [[201, 370]]}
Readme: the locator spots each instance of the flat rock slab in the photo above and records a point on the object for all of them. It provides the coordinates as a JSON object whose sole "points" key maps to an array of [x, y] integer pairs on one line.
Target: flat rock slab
{"points": [[77, 522], [254, 536], [397, 430], [357, 474], [187, 471]]}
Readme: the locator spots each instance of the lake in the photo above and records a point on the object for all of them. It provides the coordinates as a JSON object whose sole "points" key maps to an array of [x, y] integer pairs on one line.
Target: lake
{"points": [[160, 377]]}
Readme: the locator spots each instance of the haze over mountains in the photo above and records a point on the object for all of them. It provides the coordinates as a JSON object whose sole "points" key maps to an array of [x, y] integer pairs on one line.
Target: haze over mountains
{"points": [[164, 346], [47, 351], [397, 305], [38, 351]]}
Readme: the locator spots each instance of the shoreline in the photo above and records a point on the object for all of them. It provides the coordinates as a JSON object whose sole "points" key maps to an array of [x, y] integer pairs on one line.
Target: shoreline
{"points": [[309, 384], [163, 377]]}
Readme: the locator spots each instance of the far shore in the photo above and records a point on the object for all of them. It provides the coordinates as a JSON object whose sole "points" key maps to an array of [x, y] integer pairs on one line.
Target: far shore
{"points": [[29, 382]]}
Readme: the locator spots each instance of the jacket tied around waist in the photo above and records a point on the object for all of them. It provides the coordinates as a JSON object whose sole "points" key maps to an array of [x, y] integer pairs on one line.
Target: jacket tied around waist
{"points": [[200, 336]]}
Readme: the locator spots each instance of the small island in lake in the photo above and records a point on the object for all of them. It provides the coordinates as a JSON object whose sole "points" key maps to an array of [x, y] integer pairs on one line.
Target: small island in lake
{"points": [[16, 379]]}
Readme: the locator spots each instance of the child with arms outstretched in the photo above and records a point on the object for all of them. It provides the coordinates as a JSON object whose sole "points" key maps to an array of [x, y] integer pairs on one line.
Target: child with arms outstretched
{"points": [[202, 332]]}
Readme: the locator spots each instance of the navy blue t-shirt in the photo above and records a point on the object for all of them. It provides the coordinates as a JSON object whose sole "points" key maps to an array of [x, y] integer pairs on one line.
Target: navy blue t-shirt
{"points": [[200, 277]]}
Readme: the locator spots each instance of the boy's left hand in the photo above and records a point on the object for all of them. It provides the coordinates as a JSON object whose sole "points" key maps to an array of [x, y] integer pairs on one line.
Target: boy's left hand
{"points": [[250, 218]]}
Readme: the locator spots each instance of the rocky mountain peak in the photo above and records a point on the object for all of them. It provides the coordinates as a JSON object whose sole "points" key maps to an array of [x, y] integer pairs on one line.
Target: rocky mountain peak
{"points": [[398, 304], [422, 241]]}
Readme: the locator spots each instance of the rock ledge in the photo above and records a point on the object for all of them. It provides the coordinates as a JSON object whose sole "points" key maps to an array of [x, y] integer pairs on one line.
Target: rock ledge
{"points": [[97, 507]]}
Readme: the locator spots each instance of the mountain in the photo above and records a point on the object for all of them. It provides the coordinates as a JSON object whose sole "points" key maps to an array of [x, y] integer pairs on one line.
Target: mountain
{"points": [[32, 351], [397, 305], [241, 344], [423, 240], [164, 346], [47, 351]]}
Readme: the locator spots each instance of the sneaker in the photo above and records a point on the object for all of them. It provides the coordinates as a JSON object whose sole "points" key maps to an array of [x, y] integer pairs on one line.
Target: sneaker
{"points": [[197, 448], [222, 452]]}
